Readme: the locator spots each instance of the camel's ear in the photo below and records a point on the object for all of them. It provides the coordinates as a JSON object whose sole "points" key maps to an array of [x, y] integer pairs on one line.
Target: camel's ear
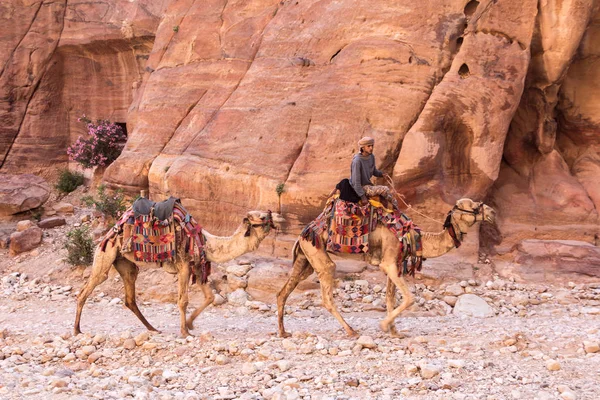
{"points": [[248, 226]]}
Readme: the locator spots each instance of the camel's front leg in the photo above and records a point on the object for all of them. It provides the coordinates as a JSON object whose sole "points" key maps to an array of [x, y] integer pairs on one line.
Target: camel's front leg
{"points": [[183, 277], [407, 298], [102, 263], [209, 297], [129, 273]]}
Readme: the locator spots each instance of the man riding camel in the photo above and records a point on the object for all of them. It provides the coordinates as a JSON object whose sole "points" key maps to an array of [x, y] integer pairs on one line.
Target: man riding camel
{"points": [[361, 171]]}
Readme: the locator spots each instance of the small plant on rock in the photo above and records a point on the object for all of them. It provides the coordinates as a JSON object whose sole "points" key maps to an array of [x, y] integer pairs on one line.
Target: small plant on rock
{"points": [[279, 190], [109, 205], [103, 146], [69, 181], [37, 213], [80, 246]]}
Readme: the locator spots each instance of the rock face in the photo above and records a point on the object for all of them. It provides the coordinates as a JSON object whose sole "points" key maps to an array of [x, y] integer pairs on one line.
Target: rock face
{"points": [[225, 100], [20, 193], [59, 61], [548, 177], [540, 260]]}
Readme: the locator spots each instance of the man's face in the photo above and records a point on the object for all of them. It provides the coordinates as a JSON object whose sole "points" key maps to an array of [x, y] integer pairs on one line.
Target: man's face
{"points": [[368, 150]]}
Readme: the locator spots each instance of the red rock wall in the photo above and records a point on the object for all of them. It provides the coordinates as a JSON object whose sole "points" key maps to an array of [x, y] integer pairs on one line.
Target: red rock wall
{"points": [[226, 99], [63, 60]]}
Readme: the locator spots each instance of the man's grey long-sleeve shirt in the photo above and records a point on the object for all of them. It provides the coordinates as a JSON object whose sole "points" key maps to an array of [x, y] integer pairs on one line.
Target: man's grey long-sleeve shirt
{"points": [[361, 171]]}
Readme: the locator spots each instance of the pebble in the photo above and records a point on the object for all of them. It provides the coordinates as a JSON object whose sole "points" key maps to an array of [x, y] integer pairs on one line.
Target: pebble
{"points": [[553, 365]]}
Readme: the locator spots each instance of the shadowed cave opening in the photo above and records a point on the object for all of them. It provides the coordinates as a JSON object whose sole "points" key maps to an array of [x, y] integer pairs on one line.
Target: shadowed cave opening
{"points": [[123, 126], [463, 71], [471, 7]]}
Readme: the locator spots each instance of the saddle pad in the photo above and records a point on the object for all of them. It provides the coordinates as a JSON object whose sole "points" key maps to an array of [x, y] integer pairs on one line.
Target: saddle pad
{"points": [[152, 241], [349, 228]]}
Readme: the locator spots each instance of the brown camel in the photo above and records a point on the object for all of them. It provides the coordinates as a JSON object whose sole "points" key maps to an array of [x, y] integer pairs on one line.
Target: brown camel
{"points": [[307, 258], [247, 237]]}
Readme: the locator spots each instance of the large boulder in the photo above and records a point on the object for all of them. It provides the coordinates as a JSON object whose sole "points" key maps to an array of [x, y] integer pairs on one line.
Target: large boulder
{"points": [[20, 193], [472, 306], [26, 240], [52, 222]]}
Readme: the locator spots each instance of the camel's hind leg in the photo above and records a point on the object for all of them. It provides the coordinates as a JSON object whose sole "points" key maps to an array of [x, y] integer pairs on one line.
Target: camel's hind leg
{"points": [[300, 271], [390, 299], [183, 277], [209, 297], [407, 298], [325, 269], [102, 263], [129, 273]]}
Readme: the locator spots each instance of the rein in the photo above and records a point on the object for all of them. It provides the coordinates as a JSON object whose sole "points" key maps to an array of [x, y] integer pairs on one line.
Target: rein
{"points": [[408, 206], [448, 222]]}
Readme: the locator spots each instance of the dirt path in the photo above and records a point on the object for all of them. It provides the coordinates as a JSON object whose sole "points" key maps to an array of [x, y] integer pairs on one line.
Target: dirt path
{"points": [[236, 354]]}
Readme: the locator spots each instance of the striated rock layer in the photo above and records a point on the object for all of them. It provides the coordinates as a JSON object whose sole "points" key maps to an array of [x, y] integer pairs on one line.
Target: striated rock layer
{"points": [[227, 99]]}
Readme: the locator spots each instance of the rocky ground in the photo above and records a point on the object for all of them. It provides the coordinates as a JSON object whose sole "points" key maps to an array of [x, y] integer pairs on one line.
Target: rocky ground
{"points": [[491, 338]]}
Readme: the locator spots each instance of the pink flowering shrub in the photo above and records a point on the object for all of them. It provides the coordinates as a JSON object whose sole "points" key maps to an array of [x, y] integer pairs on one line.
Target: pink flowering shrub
{"points": [[102, 147]]}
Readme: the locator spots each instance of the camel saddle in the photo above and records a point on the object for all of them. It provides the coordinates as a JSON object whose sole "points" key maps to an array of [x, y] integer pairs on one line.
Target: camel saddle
{"points": [[161, 211]]}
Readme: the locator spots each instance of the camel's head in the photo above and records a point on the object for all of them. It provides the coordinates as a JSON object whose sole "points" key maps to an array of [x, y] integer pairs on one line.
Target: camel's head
{"points": [[468, 212], [261, 222]]}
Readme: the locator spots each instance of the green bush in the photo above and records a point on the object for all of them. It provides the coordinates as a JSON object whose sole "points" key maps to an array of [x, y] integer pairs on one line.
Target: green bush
{"points": [[109, 205], [69, 181], [80, 246]]}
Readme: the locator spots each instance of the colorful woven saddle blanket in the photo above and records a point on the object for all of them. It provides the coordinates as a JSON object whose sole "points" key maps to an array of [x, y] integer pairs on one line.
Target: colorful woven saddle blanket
{"points": [[348, 226], [155, 240]]}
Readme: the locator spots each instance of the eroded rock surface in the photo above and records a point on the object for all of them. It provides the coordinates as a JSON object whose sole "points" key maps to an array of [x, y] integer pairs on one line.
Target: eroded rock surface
{"points": [[20, 193], [226, 100]]}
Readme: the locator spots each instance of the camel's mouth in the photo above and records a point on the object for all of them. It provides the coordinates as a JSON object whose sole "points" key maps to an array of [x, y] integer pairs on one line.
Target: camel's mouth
{"points": [[490, 215], [266, 219]]}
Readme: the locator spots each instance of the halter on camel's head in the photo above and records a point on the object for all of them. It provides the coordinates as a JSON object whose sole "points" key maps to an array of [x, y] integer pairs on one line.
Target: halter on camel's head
{"points": [[260, 219], [461, 214]]}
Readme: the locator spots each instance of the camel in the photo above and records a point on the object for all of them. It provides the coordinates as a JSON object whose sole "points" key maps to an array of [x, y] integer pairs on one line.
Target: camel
{"points": [[248, 236], [308, 259]]}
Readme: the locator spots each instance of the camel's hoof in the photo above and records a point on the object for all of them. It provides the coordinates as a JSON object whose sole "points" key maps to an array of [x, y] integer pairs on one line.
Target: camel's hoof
{"points": [[185, 334], [190, 326], [395, 334], [285, 334], [385, 326], [76, 332], [353, 333], [375, 261]]}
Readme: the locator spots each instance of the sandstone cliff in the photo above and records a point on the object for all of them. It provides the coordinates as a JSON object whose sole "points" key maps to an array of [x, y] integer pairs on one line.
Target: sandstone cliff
{"points": [[226, 99]]}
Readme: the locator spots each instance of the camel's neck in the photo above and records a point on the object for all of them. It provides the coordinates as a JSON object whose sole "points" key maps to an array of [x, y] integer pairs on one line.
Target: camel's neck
{"points": [[222, 249], [436, 244]]}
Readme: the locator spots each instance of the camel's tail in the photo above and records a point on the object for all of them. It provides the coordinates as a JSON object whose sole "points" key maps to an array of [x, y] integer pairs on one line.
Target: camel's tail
{"points": [[295, 251]]}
